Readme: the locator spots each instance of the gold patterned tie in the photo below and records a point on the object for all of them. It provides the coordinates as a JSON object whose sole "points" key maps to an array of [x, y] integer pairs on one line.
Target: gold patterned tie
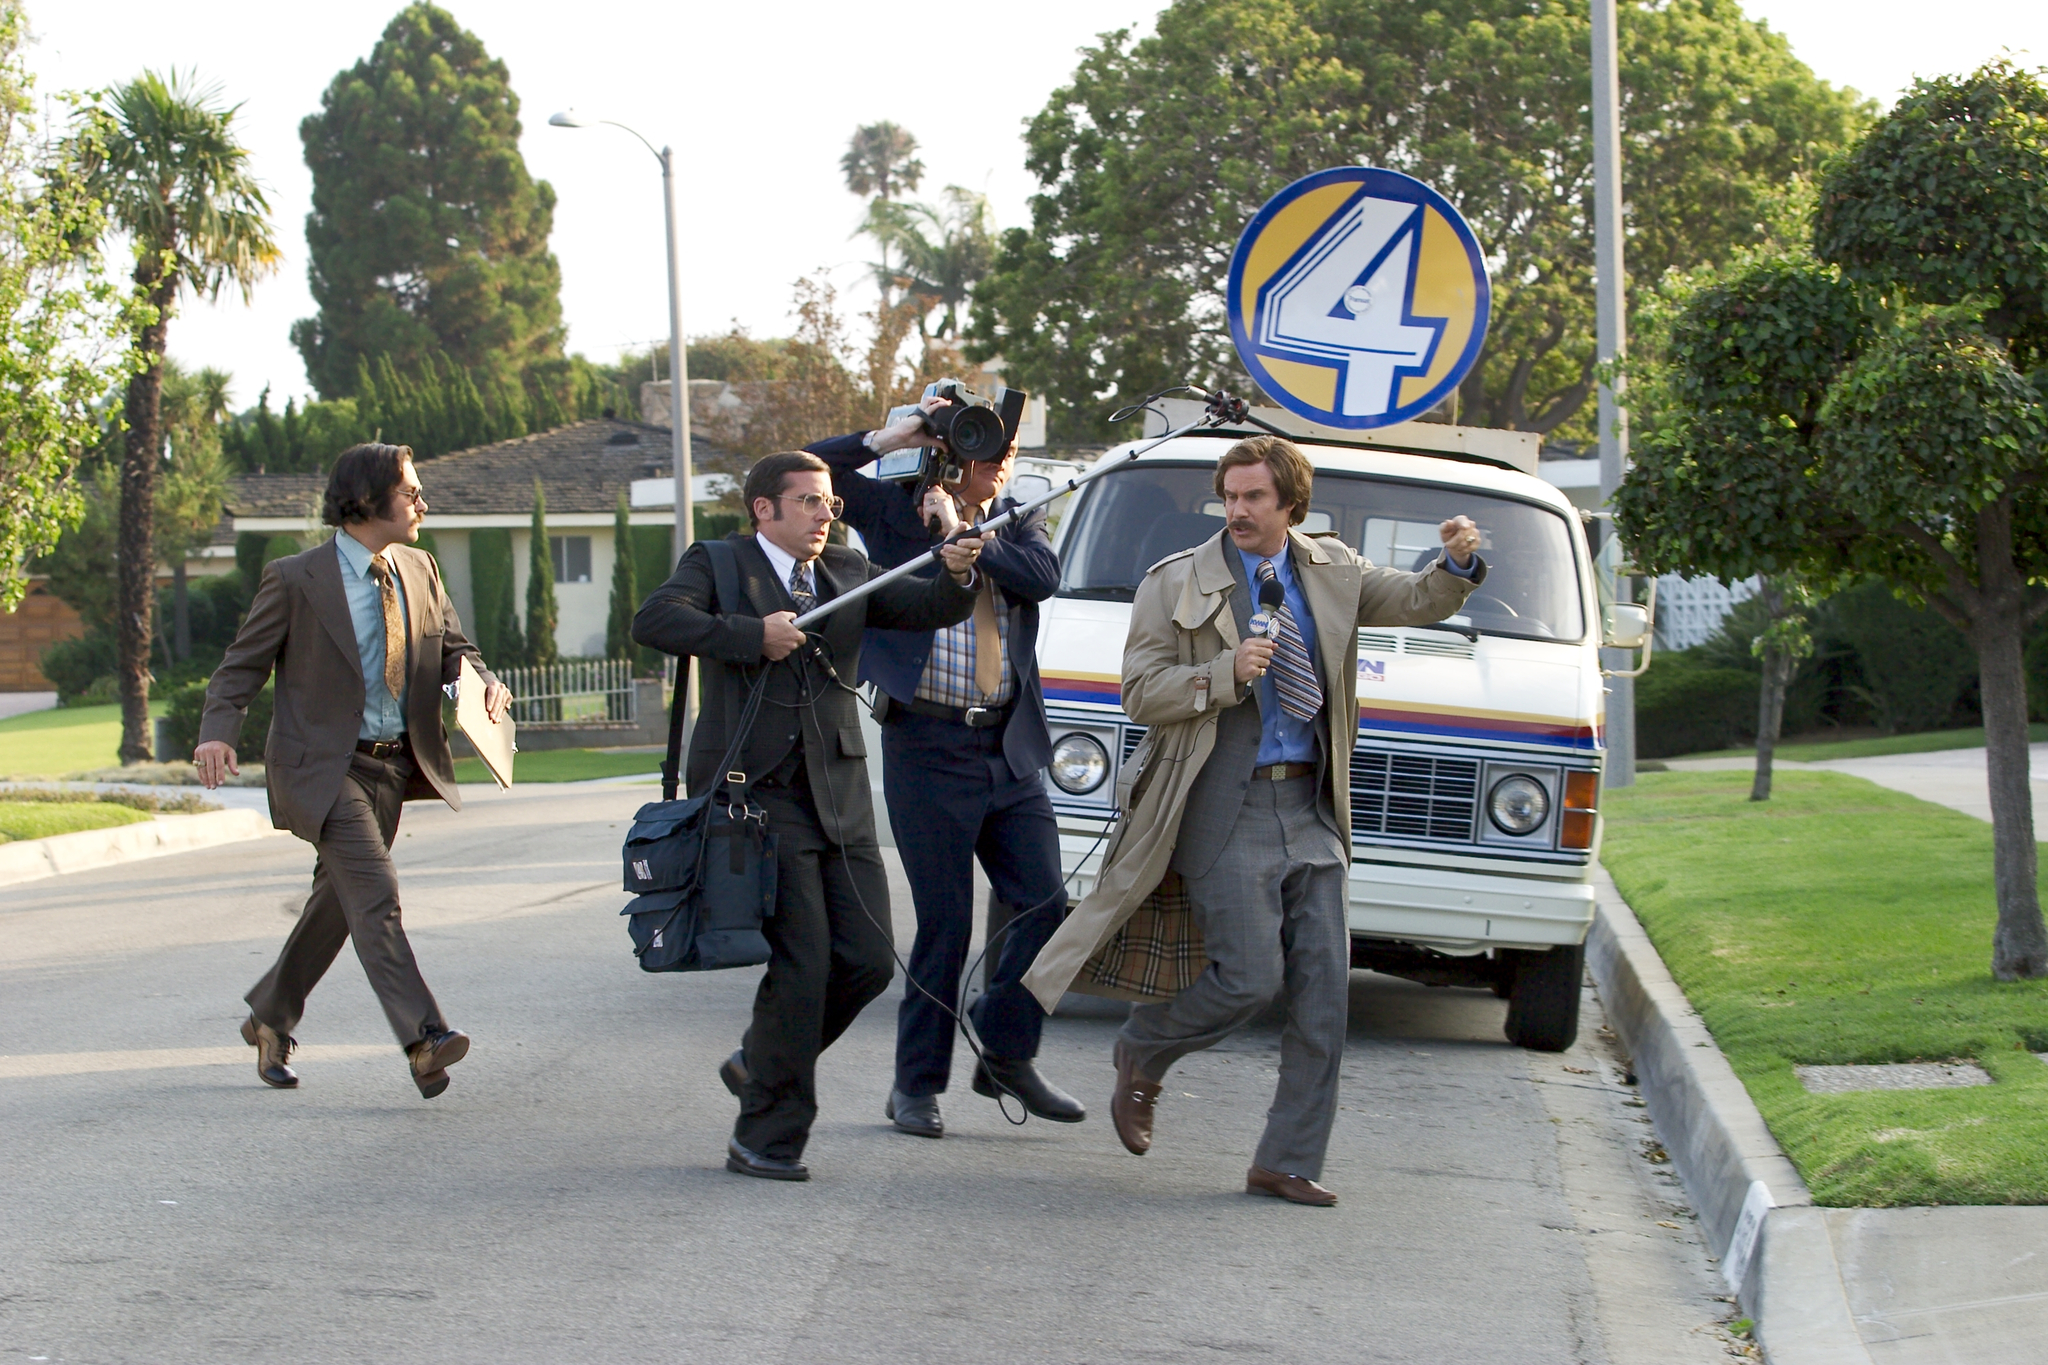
{"points": [[394, 628], [988, 641]]}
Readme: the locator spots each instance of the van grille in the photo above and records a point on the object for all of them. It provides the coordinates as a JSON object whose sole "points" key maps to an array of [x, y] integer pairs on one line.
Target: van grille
{"points": [[1412, 795], [1133, 735]]}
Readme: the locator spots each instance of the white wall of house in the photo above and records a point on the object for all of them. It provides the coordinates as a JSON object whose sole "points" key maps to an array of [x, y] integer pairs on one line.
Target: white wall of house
{"points": [[451, 548]]}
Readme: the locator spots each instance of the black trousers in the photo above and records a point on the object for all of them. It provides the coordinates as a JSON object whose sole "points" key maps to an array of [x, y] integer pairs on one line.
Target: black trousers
{"points": [[355, 896], [952, 799], [827, 958]]}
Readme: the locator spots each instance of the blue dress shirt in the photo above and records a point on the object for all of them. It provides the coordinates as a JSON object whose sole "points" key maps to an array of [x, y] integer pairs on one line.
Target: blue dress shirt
{"points": [[383, 714], [1283, 738]]}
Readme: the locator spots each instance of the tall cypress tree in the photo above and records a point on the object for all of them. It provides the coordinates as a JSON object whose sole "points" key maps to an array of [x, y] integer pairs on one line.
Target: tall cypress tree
{"points": [[618, 627], [541, 614], [427, 234]]}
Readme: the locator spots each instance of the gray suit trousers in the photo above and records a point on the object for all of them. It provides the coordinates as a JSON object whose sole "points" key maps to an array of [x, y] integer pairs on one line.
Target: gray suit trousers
{"points": [[355, 896], [1271, 908]]}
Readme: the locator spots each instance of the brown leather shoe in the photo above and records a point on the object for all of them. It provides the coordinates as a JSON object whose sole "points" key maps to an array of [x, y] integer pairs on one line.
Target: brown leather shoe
{"points": [[431, 1058], [1295, 1189], [1130, 1108], [272, 1048]]}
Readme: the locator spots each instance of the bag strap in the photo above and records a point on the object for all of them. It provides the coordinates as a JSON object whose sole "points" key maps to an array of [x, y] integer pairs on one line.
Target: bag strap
{"points": [[725, 586]]}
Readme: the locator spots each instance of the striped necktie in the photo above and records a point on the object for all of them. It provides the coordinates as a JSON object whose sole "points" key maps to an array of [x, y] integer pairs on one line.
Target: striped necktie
{"points": [[1294, 677], [800, 588]]}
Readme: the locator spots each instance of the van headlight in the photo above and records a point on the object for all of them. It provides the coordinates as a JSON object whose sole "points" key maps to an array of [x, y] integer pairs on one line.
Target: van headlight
{"points": [[1079, 764], [1518, 805]]}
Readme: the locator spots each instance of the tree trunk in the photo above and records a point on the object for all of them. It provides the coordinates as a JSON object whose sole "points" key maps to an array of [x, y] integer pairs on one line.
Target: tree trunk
{"points": [[135, 593], [2019, 947], [181, 614], [1770, 701]]}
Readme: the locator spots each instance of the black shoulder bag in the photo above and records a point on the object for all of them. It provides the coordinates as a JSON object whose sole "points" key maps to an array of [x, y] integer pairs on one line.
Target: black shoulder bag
{"points": [[703, 870]]}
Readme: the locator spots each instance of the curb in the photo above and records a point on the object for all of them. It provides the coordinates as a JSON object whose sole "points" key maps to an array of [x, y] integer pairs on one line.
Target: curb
{"points": [[33, 859], [1774, 1244]]}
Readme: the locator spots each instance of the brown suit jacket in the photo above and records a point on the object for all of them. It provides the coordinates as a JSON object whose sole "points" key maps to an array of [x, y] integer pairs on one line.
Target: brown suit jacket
{"points": [[299, 627]]}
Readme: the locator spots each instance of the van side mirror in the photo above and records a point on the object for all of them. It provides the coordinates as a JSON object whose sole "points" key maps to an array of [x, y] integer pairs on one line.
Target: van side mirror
{"points": [[1626, 627]]}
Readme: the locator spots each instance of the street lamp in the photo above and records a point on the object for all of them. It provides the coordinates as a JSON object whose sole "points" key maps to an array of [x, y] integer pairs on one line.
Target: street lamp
{"points": [[678, 359]]}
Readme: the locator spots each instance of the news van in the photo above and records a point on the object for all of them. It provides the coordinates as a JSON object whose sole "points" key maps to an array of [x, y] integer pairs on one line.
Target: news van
{"points": [[1476, 772]]}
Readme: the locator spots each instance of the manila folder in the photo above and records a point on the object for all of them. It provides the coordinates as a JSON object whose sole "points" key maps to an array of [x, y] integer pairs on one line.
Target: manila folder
{"points": [[492, 739]]}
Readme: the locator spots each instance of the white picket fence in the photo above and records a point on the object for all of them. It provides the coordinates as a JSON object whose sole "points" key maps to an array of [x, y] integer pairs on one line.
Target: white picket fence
{"points": [[575, 692]]}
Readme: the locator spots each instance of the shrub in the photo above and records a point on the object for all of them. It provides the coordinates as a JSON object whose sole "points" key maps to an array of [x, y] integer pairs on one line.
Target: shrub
{"points": [[188, 703], [75, 666], [1685, 705]]}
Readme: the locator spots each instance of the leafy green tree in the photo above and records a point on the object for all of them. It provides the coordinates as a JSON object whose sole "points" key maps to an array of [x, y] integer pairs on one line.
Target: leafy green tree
{"points": [[1153, 158], [427, 234], [1910, 444], [618, 626], [65, 326], [944, 252], [191, 484], [164, 157], [541, 613]]}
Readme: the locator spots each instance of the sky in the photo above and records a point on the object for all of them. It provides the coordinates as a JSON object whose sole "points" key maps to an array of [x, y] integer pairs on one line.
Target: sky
{"points": [[761, 106]]}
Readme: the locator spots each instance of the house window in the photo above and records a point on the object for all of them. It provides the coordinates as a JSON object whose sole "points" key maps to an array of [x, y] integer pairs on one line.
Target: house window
{"points": [[572, 558]]}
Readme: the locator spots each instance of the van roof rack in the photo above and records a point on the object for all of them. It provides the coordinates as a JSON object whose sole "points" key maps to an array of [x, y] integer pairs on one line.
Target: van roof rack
{"points": [[1517, 450]]}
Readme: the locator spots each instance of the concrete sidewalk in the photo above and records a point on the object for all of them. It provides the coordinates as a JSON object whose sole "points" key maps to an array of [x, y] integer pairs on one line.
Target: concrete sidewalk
{"points": [[1923, 1286]]}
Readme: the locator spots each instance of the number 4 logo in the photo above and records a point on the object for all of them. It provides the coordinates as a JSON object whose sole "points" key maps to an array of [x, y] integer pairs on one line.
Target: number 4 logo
{"points": [[1345, 299]]}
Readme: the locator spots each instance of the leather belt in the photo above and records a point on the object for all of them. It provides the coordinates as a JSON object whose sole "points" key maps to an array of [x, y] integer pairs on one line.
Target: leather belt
{"points": [[1282, 772], [973, 717], [383, 748]]}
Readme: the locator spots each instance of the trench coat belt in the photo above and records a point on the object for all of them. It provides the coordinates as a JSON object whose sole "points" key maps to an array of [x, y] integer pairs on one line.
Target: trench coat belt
{"points": [[1282, 772]]}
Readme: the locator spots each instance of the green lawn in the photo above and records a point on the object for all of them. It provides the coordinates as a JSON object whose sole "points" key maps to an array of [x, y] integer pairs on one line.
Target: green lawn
{"points": [[563, 765], [39, 819], [1841, 922], [54, 743], [1927, 742]]}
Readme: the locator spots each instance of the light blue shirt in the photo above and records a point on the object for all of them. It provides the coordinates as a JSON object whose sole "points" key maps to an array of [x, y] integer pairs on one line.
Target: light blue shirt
{"points": [[1283, 738], [383, 714]]}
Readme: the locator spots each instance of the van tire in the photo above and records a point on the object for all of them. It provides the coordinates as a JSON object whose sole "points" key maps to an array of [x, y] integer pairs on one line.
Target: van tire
{"points": [[1543, 1006]]}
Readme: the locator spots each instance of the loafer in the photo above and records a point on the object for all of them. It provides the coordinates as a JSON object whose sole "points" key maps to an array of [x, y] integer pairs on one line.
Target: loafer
{"points": [[1021, 1077], [272, 1048], [741, 1161], [733, 1071], [917, 1115], [1295, 1189], [432, 1056], [1132, 1104]]}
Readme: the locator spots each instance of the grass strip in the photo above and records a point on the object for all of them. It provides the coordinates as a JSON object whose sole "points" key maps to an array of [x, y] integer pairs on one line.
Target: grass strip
{"points": [[41, 819], [564, 765], [1877, 746], [1836, 923], [67, 740]]}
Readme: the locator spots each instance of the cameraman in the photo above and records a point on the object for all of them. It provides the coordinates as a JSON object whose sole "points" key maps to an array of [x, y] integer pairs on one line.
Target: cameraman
{"points": [[964, 741]]}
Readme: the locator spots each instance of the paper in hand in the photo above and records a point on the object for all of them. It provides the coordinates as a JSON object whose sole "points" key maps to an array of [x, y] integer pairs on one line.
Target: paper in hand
{"points": [[493, 740]]}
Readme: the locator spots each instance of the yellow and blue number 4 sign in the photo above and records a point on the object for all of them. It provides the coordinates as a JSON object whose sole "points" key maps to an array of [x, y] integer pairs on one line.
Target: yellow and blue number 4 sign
{"points": [[1358, 297]]}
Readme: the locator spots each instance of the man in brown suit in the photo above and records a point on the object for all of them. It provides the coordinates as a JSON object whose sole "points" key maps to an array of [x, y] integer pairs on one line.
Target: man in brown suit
{"points": [[362, 637]]}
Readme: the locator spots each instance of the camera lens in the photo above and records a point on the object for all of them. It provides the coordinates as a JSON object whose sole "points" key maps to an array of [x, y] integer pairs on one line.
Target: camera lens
{"points": [[977, 434]]}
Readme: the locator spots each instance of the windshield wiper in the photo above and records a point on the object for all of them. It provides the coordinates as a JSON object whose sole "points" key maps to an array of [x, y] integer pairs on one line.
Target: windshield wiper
{"points": [[1469, 632], [1108, 594]]}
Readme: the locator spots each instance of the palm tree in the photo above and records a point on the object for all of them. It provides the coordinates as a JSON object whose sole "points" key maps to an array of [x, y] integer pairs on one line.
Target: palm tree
{"points": [[163, 157], [944, 251], [881, 159]]}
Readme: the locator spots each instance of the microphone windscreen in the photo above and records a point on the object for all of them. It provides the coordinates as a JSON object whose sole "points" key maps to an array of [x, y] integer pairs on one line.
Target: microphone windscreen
{"points": [[1271, 594]]}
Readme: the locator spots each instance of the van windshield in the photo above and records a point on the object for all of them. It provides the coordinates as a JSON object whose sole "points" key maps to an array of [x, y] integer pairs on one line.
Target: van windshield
{"points": [[1129, 520]]}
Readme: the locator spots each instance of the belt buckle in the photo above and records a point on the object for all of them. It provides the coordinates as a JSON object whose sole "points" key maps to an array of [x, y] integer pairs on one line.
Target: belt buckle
{"points": [[979, 717]]}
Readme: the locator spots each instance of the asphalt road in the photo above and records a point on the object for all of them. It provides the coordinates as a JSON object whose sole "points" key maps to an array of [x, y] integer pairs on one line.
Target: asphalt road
{"points": [[566, 1199]]}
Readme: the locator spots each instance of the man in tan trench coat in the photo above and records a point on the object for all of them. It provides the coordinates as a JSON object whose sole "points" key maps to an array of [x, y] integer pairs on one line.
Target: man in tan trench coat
{"points": [[1224, 887]]}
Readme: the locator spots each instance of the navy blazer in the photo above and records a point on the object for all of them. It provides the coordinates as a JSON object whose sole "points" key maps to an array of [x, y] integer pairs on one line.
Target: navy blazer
{"points": [[1019, 560]]}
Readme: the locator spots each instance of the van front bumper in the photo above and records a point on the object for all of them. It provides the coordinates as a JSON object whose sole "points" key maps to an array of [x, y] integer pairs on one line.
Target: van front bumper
{"points": [[1463, 912]]}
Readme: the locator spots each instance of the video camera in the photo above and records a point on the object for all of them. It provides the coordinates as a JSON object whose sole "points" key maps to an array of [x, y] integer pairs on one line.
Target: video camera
{"points": [[974, 428]]}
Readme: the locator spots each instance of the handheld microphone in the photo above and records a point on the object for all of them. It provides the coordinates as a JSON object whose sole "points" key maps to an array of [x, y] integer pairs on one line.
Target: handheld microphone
{"points": [[1271, 598]]}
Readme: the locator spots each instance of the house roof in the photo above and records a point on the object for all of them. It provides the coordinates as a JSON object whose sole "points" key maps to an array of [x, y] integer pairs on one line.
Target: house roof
{"points": [[583, 467]]}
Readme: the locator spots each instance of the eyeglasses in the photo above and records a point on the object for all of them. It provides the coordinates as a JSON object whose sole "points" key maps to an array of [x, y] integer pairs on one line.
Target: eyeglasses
{"points": [[416, 496], [812, 502]]}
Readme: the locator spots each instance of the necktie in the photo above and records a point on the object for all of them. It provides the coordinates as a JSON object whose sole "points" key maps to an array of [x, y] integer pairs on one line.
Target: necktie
{"points": [[394, 627], [988, 641], [1294, 677], [800, 588]]}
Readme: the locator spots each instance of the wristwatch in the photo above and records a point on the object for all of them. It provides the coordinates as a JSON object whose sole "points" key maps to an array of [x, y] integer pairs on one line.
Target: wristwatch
{"points": [[868, 440]]}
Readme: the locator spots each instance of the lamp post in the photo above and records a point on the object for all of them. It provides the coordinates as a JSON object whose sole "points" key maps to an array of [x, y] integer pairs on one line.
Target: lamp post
{"points": [[678, 359], [1611, 345]]}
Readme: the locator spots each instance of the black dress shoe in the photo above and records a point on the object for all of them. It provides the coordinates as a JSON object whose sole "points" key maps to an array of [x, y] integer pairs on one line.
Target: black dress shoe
{"points": [[917, 1115], [740, 1161], [272, 1048], [1020, 1077], [432, 1056], [733, 1071]]}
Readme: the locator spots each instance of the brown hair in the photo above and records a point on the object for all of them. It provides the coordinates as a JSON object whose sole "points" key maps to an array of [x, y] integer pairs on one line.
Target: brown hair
{"points": [[1294, 478], [770, 473], [361, 484]]}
